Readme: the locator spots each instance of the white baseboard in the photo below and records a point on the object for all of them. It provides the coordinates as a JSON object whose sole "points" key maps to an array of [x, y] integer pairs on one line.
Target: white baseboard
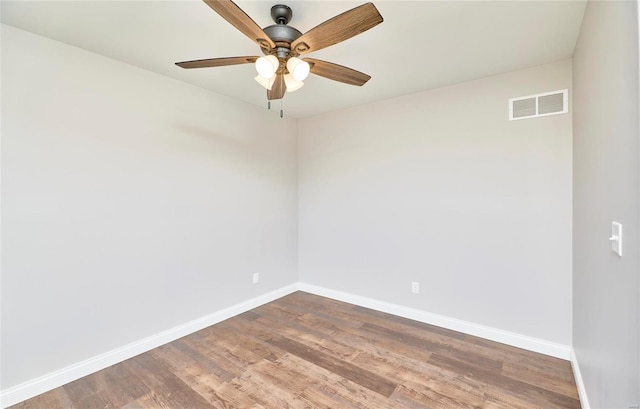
{"points": [[52, 380], [582, 391], [494, 334]]}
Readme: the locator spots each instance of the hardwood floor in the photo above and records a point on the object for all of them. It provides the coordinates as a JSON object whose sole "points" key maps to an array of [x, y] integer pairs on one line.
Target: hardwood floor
{"points": [[306, 351]]}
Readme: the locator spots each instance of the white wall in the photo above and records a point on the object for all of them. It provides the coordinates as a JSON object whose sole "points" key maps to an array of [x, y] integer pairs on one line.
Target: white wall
{"points": [[606, 330], [439, 187], [131, 203]]}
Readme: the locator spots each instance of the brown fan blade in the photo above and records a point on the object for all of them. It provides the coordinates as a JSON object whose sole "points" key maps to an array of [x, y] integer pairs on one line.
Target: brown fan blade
{"points": [[337, 72], [216, 62], [229, 11], [341, 27], [278, 89]]}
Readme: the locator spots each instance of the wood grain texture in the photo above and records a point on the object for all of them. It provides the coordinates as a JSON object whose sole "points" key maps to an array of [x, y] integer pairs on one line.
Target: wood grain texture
{"points": [[337, 29], [278, 89], [337, 72], [240, 20], [217, 62], [306, 351]]}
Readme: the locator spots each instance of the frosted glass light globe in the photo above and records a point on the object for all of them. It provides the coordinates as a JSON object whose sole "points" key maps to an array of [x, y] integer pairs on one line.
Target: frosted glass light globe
{"points": [[267, 83], [298, 68], [267, 66], [291, 83]]}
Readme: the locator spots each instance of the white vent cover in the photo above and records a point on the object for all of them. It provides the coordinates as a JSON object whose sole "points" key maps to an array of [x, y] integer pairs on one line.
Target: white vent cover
{"points": [[532, 106]]}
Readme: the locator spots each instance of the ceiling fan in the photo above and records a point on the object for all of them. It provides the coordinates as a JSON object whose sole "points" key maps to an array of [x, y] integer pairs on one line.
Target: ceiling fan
{"points": [[280, 69]]}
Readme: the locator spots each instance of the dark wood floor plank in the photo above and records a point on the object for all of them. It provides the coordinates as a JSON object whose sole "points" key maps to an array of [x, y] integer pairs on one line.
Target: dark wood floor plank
{"points": [[220, 367], [84, 388], [546, 372], [521, 357], [206, 383], [288, 371], [149, 401], [355, 338], [436, 339], [310, 322], [311, 339], [305, 351], [541, 378], [417, 376], [427, 399], [495, 399], [369, 380], [248, 351], [267, 395], [404, 324], [325, 384], [112, 387], [166, 386], [360, 338], [391, 365], [339, 312], [469, 368], [536, 396]]}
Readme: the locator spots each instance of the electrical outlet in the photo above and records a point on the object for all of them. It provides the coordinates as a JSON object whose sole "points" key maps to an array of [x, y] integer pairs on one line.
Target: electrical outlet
{"points": [[256, 278], [415, 287], [616, 238]]}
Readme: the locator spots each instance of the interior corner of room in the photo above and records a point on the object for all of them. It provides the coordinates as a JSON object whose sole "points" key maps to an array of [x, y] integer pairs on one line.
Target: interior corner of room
{"points": [[138, 208]]}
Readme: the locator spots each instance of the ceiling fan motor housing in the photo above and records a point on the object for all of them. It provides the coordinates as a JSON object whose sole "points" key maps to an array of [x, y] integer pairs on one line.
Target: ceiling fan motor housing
{"points": [[280, 33]]}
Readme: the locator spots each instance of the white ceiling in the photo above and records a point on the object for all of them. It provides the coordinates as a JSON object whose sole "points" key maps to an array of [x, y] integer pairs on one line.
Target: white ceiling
{"points": [[420, 45]]}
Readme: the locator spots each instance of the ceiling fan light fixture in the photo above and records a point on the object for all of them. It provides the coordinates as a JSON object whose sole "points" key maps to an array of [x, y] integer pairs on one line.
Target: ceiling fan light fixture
{"points": [[267, 83], [267, 66], [298, 68], [282, 44], [291, 83]]}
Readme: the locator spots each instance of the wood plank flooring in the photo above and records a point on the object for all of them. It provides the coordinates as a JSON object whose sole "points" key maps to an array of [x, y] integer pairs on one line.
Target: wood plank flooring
{"points": [[306, 351]]}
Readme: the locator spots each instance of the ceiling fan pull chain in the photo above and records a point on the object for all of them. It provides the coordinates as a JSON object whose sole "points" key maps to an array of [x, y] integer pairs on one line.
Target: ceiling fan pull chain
{"points": [[268, 105], [281, 110]]}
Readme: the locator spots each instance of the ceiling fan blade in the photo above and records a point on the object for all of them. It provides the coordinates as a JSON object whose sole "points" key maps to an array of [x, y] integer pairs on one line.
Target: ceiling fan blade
{"points": [[216, 62], [229, 11], [341, 27], [278, 89], [337, 72]]}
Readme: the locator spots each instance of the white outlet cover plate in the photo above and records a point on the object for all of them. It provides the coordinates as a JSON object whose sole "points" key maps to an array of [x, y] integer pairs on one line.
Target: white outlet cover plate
{"points": [[616, 238]]}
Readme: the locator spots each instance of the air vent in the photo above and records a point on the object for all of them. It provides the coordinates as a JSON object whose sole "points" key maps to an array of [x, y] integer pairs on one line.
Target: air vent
{"points": [[533, 106]]}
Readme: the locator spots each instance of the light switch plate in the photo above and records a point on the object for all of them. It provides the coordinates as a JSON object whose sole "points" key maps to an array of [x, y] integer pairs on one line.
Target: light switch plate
{"points": [[616, 238]]}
